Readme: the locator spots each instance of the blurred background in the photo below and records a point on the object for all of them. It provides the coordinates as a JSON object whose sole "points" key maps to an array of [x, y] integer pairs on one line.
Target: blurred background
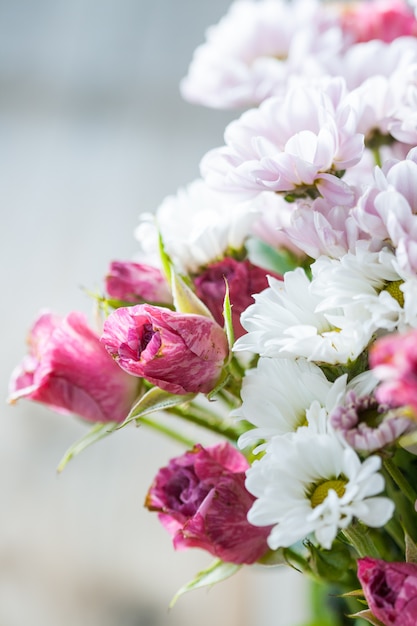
{"points": [[92, 132]]}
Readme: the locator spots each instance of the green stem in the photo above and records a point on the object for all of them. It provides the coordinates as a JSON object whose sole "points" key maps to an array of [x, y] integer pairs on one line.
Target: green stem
{"points": [[377, 156], [208, 420], [169, 432], [358, 536], [401, 482]]}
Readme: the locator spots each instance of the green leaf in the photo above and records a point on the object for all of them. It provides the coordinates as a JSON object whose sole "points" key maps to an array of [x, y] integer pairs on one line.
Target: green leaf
{"points": [[279, 261], [99, 431], [185, 300], [222, 382], [155, 399], [217, 572]]}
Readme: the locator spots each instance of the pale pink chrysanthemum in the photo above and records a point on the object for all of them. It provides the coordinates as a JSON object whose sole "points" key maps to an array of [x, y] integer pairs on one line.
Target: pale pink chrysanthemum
{"points": [[296, 143]]}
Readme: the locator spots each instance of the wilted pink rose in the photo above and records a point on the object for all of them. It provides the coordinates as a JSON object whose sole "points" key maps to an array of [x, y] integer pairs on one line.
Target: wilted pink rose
{"points": [[203, 503], [393, 359], [136, 282], [244, 280], [390, 590], [180, 353], [382, 19], [68, 369]]}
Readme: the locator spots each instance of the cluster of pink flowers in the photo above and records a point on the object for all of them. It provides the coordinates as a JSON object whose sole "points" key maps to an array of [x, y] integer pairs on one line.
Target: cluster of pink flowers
{"points": [[283, 285]]}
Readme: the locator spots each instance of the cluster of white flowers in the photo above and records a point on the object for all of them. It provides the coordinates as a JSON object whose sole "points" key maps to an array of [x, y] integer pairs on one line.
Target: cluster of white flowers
{"points": [[322, 171]]}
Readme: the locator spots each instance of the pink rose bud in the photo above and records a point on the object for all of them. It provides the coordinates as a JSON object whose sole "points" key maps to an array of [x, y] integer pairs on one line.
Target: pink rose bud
{"points": [[136, 282], [393, 359], [244, 280], [203, 503], [68, 369], [390, 590], [179, 352]]}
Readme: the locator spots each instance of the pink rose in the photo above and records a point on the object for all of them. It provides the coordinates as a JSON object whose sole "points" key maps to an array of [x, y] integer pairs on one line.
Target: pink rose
{"points": [[244, 280], [68, 369], [136, 282], [179, 352], [384, 19], [393, 359], [203, 503], [390, 590]]}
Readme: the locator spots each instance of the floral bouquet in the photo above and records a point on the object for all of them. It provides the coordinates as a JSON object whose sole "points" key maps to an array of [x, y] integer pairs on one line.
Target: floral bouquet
{"points": [[273, 302]]}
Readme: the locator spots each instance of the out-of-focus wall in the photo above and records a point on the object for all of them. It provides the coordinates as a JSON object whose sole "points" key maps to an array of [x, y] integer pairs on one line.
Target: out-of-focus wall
{"points": [[92, 132]]}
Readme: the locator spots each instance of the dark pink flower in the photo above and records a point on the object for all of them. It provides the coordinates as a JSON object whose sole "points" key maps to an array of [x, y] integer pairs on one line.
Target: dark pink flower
{"points": [[244, 280], [203, 503], [390, 590], [393, 359], [382, 19], [180, 353], [68, 369], [136, 282]]}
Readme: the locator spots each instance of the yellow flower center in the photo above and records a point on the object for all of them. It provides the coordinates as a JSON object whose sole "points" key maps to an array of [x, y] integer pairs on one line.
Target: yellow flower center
{"points": [[394, 290], [320, 492]]}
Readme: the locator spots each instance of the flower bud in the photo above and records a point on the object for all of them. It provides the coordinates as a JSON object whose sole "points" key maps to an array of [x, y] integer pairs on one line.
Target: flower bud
{"points": [[390, 590], [68, 369], [179, 352], [202, 501], [244, 280], [136, 282]]}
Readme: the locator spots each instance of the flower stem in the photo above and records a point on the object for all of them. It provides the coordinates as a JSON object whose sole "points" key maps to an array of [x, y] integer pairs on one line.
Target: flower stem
{"points": [[208, 420], [377, 156], [169, 432]]}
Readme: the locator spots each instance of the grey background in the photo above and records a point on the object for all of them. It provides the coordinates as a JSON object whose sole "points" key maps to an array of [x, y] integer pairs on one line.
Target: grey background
{"points": [[92, 132]]}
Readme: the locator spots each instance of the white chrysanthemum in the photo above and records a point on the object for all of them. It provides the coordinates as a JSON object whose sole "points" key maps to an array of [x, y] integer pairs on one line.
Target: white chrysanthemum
{"points": [[290, 143], [284, 322], [255, 47], [312, 484], [199, 226], [367, 287], [281, 396]]}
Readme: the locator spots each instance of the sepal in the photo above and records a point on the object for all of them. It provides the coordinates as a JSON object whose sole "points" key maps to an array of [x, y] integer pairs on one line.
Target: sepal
{"points": [[185, 300], [228, 324], [368, 616], [215, 573]]}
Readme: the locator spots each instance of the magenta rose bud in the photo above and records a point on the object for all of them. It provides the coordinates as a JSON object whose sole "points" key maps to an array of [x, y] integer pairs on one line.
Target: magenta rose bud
{"points": [[390, 590], [244, 280], [179, 352], [136, 282], [203, 503], [68, 369]]}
